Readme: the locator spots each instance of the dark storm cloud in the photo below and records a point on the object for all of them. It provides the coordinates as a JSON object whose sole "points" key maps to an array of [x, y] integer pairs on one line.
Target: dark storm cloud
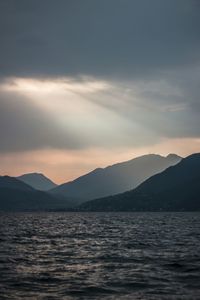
{"points": [[100, 38], [24, 126]]}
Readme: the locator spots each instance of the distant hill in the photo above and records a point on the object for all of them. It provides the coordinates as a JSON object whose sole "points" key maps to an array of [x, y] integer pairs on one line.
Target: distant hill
{"points": [[38, 181], [14, 183], [116, 178], [16, 195], [175, 189]]}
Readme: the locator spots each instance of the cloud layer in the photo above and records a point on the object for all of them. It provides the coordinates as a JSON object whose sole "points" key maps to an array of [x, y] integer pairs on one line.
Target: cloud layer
{"points": [[71, 114], [117, 38]]}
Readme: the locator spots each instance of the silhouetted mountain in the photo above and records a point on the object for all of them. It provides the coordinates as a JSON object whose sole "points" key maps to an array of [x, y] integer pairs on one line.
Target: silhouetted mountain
{"points": [[19, 200], [38, 181], [175, 189], [116, 178], [14, 183], [16, 195]]}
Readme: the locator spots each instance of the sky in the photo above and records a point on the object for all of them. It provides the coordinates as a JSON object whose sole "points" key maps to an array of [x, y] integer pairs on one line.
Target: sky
{"points": [[85, 84]]}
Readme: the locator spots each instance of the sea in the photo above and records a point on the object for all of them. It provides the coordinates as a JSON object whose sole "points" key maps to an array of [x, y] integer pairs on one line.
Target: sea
{"points": [[72, 255]]}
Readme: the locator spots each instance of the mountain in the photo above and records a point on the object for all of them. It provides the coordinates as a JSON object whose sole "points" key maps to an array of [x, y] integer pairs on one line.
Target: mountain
{"points": [[14, 183], [38, 181], [175, 189], [117, 178], [16, 195]]}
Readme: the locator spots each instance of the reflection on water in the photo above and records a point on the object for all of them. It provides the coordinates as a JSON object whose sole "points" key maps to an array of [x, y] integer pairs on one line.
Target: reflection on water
{"points": [[100, 256]]}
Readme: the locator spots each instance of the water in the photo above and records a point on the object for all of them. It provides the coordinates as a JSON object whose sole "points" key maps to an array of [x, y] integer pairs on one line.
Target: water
{"points": [[100, 256]]}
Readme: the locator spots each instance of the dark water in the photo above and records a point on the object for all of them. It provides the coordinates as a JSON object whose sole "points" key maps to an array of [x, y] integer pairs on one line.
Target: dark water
{"points": [[100, 256]]}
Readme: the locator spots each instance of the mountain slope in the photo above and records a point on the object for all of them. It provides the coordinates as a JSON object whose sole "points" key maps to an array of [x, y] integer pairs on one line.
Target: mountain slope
{"points": [[38, 181], [21, 200], [177, 188], [16, 195], [116, 178], [14, 183]]}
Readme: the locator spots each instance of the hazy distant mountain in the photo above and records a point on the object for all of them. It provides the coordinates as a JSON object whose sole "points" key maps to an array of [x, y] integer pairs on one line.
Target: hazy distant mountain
{"points": [[38, 181], [16, 195], [116, 178], [175, 189]]}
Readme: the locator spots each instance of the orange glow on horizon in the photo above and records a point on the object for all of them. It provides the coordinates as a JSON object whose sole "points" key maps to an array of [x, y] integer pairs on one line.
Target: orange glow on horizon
{"points": [[65, 165]]}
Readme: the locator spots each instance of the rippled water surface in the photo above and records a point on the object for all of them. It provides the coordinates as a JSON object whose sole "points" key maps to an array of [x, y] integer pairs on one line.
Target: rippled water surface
{"points": [[100, 256]]}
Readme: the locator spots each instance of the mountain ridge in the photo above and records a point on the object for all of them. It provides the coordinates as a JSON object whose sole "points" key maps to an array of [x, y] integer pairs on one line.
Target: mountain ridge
{"points": [[176, 188], [115, 178], [38, 181], [15, 195], [14, 183]]}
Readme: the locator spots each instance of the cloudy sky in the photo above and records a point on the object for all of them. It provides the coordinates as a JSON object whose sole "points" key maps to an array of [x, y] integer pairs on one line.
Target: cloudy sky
{"points": [[88, 83]]}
